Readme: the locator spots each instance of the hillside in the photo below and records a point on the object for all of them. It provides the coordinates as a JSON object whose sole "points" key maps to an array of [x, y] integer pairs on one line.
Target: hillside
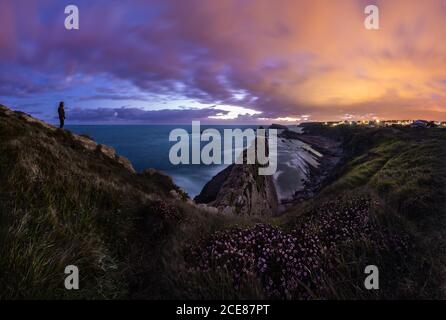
{"points": [[67, 200], [403, 170]]}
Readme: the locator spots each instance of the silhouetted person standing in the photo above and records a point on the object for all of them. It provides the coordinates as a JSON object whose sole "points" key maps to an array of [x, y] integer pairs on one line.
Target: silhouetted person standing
{"points": [[61, 112]]}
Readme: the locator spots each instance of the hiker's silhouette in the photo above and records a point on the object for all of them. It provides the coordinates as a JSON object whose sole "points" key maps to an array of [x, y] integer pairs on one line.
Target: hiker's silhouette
{"points": [[61, 112]]}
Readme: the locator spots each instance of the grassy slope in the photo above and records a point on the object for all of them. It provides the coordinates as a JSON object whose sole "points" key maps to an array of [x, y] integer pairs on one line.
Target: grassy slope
{"points": [[404, 170], [61, 204]]}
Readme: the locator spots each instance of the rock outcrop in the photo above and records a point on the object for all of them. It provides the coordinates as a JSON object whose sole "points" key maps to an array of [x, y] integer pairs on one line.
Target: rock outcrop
{"points": [[329, 154], [278, 126], [240, 189]]}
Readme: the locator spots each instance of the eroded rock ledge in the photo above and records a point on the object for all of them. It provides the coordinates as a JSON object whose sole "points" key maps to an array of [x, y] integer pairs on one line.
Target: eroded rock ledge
{"points": [[239, 189]]}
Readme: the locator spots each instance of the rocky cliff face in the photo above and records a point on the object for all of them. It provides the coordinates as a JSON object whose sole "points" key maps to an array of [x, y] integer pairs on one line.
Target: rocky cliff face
{"points": [[329, 153], [239, 189], [304, 162]]}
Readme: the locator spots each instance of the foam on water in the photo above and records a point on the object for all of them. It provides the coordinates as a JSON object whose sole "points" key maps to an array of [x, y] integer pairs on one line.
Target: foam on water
{"points": [[294, 160]]}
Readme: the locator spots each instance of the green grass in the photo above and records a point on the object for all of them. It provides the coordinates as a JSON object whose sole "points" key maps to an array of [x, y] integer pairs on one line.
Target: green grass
{"points": [[404, 169], [61, 204]]}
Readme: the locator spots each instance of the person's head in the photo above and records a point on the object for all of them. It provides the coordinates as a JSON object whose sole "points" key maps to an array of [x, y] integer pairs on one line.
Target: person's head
{"points": [[61, 104]]}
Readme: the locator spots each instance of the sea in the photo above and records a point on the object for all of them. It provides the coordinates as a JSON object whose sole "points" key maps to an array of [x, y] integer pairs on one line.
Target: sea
{"points": [[148, 146]]}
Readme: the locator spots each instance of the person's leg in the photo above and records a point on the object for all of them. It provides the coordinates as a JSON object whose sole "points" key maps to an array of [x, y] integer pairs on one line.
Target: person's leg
{"points": [[62, 122]]}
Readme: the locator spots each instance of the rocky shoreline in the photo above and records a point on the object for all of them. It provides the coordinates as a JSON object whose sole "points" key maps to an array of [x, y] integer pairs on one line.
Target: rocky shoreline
{"points": [[238, 189], [332, 153]]}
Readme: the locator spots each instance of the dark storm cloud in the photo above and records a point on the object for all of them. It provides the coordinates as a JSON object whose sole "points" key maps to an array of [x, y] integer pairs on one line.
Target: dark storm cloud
{"points": [[288, 57], [141, 116]]}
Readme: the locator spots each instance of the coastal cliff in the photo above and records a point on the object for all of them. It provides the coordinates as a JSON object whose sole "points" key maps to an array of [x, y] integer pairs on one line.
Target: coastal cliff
{"points": [[66, 200], [323, 154], [239, 189], [305, 161]]}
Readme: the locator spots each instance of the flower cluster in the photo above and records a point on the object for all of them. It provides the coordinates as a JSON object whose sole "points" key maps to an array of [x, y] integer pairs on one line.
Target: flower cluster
{"points": [[280, 260], [165, 210], [339, 220], [290, 264]]}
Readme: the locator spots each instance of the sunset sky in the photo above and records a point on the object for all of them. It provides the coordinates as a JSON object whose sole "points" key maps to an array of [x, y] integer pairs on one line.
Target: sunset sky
{"points": [[224, 61]]}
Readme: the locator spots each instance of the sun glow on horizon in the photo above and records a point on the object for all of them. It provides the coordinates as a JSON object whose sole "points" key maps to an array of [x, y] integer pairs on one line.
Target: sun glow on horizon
{"points": [[233, 112]]}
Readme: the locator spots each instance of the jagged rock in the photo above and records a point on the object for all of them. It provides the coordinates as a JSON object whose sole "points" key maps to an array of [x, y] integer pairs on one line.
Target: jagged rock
{"points": [[212, 188], [242, 189], [278, 126], [239, 189], [106, 150], [125, 163], [85, 142]]}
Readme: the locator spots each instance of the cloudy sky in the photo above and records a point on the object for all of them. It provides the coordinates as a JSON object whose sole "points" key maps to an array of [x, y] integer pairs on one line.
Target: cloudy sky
{"points": [[225, 61]]}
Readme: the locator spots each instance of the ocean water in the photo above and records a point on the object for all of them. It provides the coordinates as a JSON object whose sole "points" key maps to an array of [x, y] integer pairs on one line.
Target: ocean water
{"points": [[148, 146]]}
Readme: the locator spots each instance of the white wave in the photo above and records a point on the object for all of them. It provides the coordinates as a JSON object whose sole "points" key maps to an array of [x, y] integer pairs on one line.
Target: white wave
{"points": [[294, 160]]}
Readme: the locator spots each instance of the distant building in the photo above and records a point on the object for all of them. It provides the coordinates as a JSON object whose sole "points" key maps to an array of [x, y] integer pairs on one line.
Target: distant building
{"points": [[423, 124], [387, 123]]}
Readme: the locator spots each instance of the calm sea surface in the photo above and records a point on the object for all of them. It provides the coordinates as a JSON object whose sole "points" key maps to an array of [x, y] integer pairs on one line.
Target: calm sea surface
{"points": [[147, 146]]}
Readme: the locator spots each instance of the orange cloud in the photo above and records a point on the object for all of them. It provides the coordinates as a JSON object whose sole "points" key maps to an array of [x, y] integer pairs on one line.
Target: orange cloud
{"points": [[317, 55], [286, 57]]}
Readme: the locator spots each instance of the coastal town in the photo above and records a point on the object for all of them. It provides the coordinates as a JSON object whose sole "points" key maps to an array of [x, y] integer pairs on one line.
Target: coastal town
{"points": [[388, 123]]}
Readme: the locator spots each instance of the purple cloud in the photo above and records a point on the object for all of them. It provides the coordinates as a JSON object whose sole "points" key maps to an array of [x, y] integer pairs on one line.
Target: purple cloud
{"points": [[165, 116], [285, 56]]}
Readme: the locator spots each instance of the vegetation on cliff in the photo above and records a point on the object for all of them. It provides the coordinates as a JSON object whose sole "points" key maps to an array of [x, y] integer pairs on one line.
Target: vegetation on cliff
{"points": [[66, 200], [383, 205]]}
